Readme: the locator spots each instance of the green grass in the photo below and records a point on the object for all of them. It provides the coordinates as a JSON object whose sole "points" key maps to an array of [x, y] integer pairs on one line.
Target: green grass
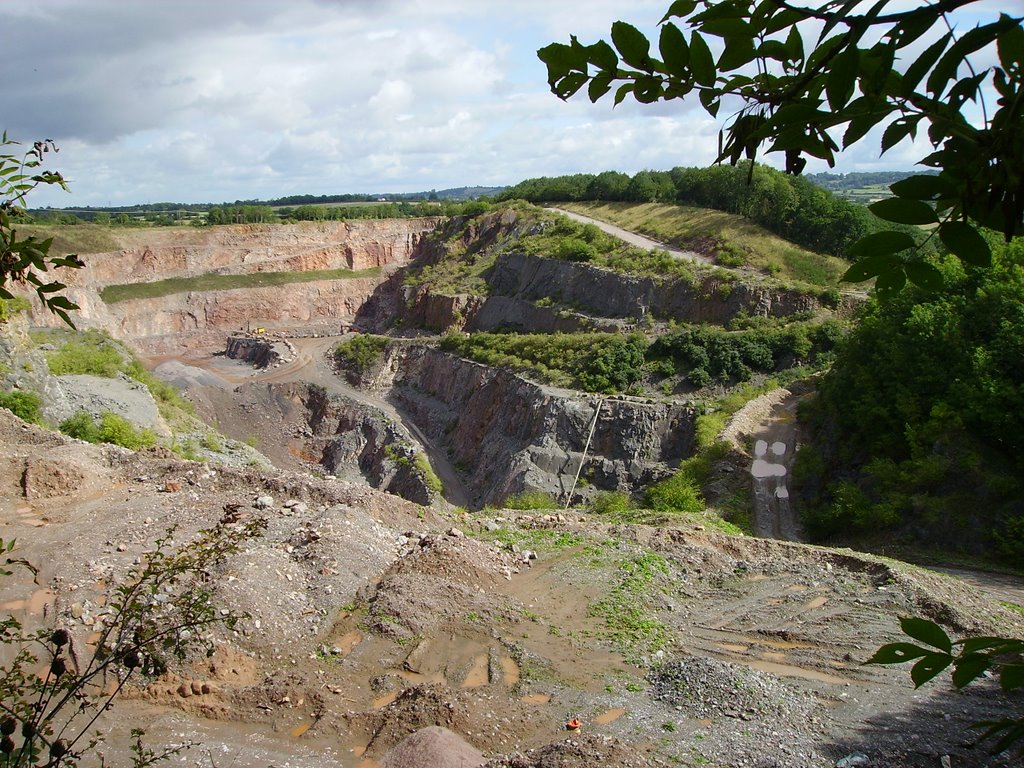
{"points": [[538, 539], [113, 294], [731, 239], [81, 238], [629, 625]]}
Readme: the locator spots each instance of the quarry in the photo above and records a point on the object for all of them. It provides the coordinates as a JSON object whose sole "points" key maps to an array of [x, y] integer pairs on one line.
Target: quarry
{"points": [[395, 588]]}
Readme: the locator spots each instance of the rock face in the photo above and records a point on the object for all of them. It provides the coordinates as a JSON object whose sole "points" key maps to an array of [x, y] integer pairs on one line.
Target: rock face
{"points": [[202, 318], [356, 442], [509, 435], [260, 352], [518, 282]]}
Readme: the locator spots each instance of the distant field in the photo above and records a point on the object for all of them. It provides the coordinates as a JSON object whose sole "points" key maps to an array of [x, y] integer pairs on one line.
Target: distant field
{"points": [[77, 238], [731, 240], [112, 294]]}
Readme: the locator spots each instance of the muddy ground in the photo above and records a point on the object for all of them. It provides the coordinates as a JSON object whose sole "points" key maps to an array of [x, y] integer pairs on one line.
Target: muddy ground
{"points": [[371, 618]]}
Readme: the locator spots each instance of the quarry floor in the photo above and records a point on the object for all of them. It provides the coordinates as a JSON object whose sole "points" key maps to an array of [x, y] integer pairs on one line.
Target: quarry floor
{"points": [[372, 618]]}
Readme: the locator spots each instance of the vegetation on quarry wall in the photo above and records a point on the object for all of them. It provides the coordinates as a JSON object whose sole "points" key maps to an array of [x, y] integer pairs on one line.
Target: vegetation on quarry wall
{"points": [[611, 363], [919, 426]]}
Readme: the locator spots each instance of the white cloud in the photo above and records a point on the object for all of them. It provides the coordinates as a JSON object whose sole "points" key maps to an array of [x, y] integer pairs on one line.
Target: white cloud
{"points": [[241, 99]]}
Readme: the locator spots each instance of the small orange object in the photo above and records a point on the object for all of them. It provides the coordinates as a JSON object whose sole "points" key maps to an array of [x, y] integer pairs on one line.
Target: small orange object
{"points": [[573, 725]]}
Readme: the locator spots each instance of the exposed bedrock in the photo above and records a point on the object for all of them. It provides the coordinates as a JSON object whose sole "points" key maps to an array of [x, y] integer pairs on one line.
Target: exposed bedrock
{"points": [[194, 318], [508, 435], [535, 294]]}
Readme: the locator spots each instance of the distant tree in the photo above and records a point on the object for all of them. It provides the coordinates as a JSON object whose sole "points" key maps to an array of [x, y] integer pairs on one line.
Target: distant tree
{"points": [[608, 185]]}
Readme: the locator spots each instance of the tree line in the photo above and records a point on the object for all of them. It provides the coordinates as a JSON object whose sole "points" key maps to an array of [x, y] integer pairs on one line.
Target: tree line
{"points": [[790, 206]]}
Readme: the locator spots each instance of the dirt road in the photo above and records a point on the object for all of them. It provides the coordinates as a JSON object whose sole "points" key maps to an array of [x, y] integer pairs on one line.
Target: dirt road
{"points": [[633, 238]]}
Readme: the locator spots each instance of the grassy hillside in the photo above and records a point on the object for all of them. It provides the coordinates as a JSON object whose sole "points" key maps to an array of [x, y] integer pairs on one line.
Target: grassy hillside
{"points": [[78, 238], [731, 240]]}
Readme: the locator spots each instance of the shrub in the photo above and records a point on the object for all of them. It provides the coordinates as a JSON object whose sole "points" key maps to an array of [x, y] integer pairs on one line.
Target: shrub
{"points": [[360, 352], [611, 503], [678, 493], [24, 405], [91, 354], [110, 429], [527, 500], [574, 249]]}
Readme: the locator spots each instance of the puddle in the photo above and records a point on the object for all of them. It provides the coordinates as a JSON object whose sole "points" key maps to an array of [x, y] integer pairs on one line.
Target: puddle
{"points": [[609, 717], [788, 670], [348, 641], [536, 698], [382, 701], [300, 729], [477, 675], [509, 671], [786, 645], [35, 605], [734, 647], [816, 603]]}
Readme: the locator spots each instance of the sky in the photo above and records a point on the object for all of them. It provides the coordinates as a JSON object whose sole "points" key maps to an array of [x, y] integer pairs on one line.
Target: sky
{"points": [[223, 100]]}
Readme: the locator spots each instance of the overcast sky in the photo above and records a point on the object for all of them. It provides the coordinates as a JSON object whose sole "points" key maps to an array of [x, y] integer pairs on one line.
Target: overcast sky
{"points": [[219, 100]]}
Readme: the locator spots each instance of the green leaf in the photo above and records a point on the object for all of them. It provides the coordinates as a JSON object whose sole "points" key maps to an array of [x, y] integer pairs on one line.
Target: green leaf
{"points": [[738, 51], [922, 187], [928, 667], [599, 86], [728, 28], [569, 84], [674, 50], [988, 643], [795, 44], [896, 132], [891, 281], [1011, 676], [1010, 45], [841, 78], [924, 275], [966, 243], [920, 66], [971, 41], [620, 94], [970, 668], [702, 63], [783, 20], [904, 211], [896, 653], [710, 101], [773, 49], [603, 56], [867, 268], [633, 46], [927, 632], [561, 60], [680, 9], [881, 243]]}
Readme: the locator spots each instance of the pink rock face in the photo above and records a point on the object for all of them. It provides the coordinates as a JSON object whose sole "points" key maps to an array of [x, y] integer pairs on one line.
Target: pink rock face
{"points": [[151, 255]]}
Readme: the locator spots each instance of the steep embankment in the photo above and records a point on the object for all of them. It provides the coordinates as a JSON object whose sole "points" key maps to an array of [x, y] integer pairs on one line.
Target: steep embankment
{"points": [[503, 270], [508, 435]]}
